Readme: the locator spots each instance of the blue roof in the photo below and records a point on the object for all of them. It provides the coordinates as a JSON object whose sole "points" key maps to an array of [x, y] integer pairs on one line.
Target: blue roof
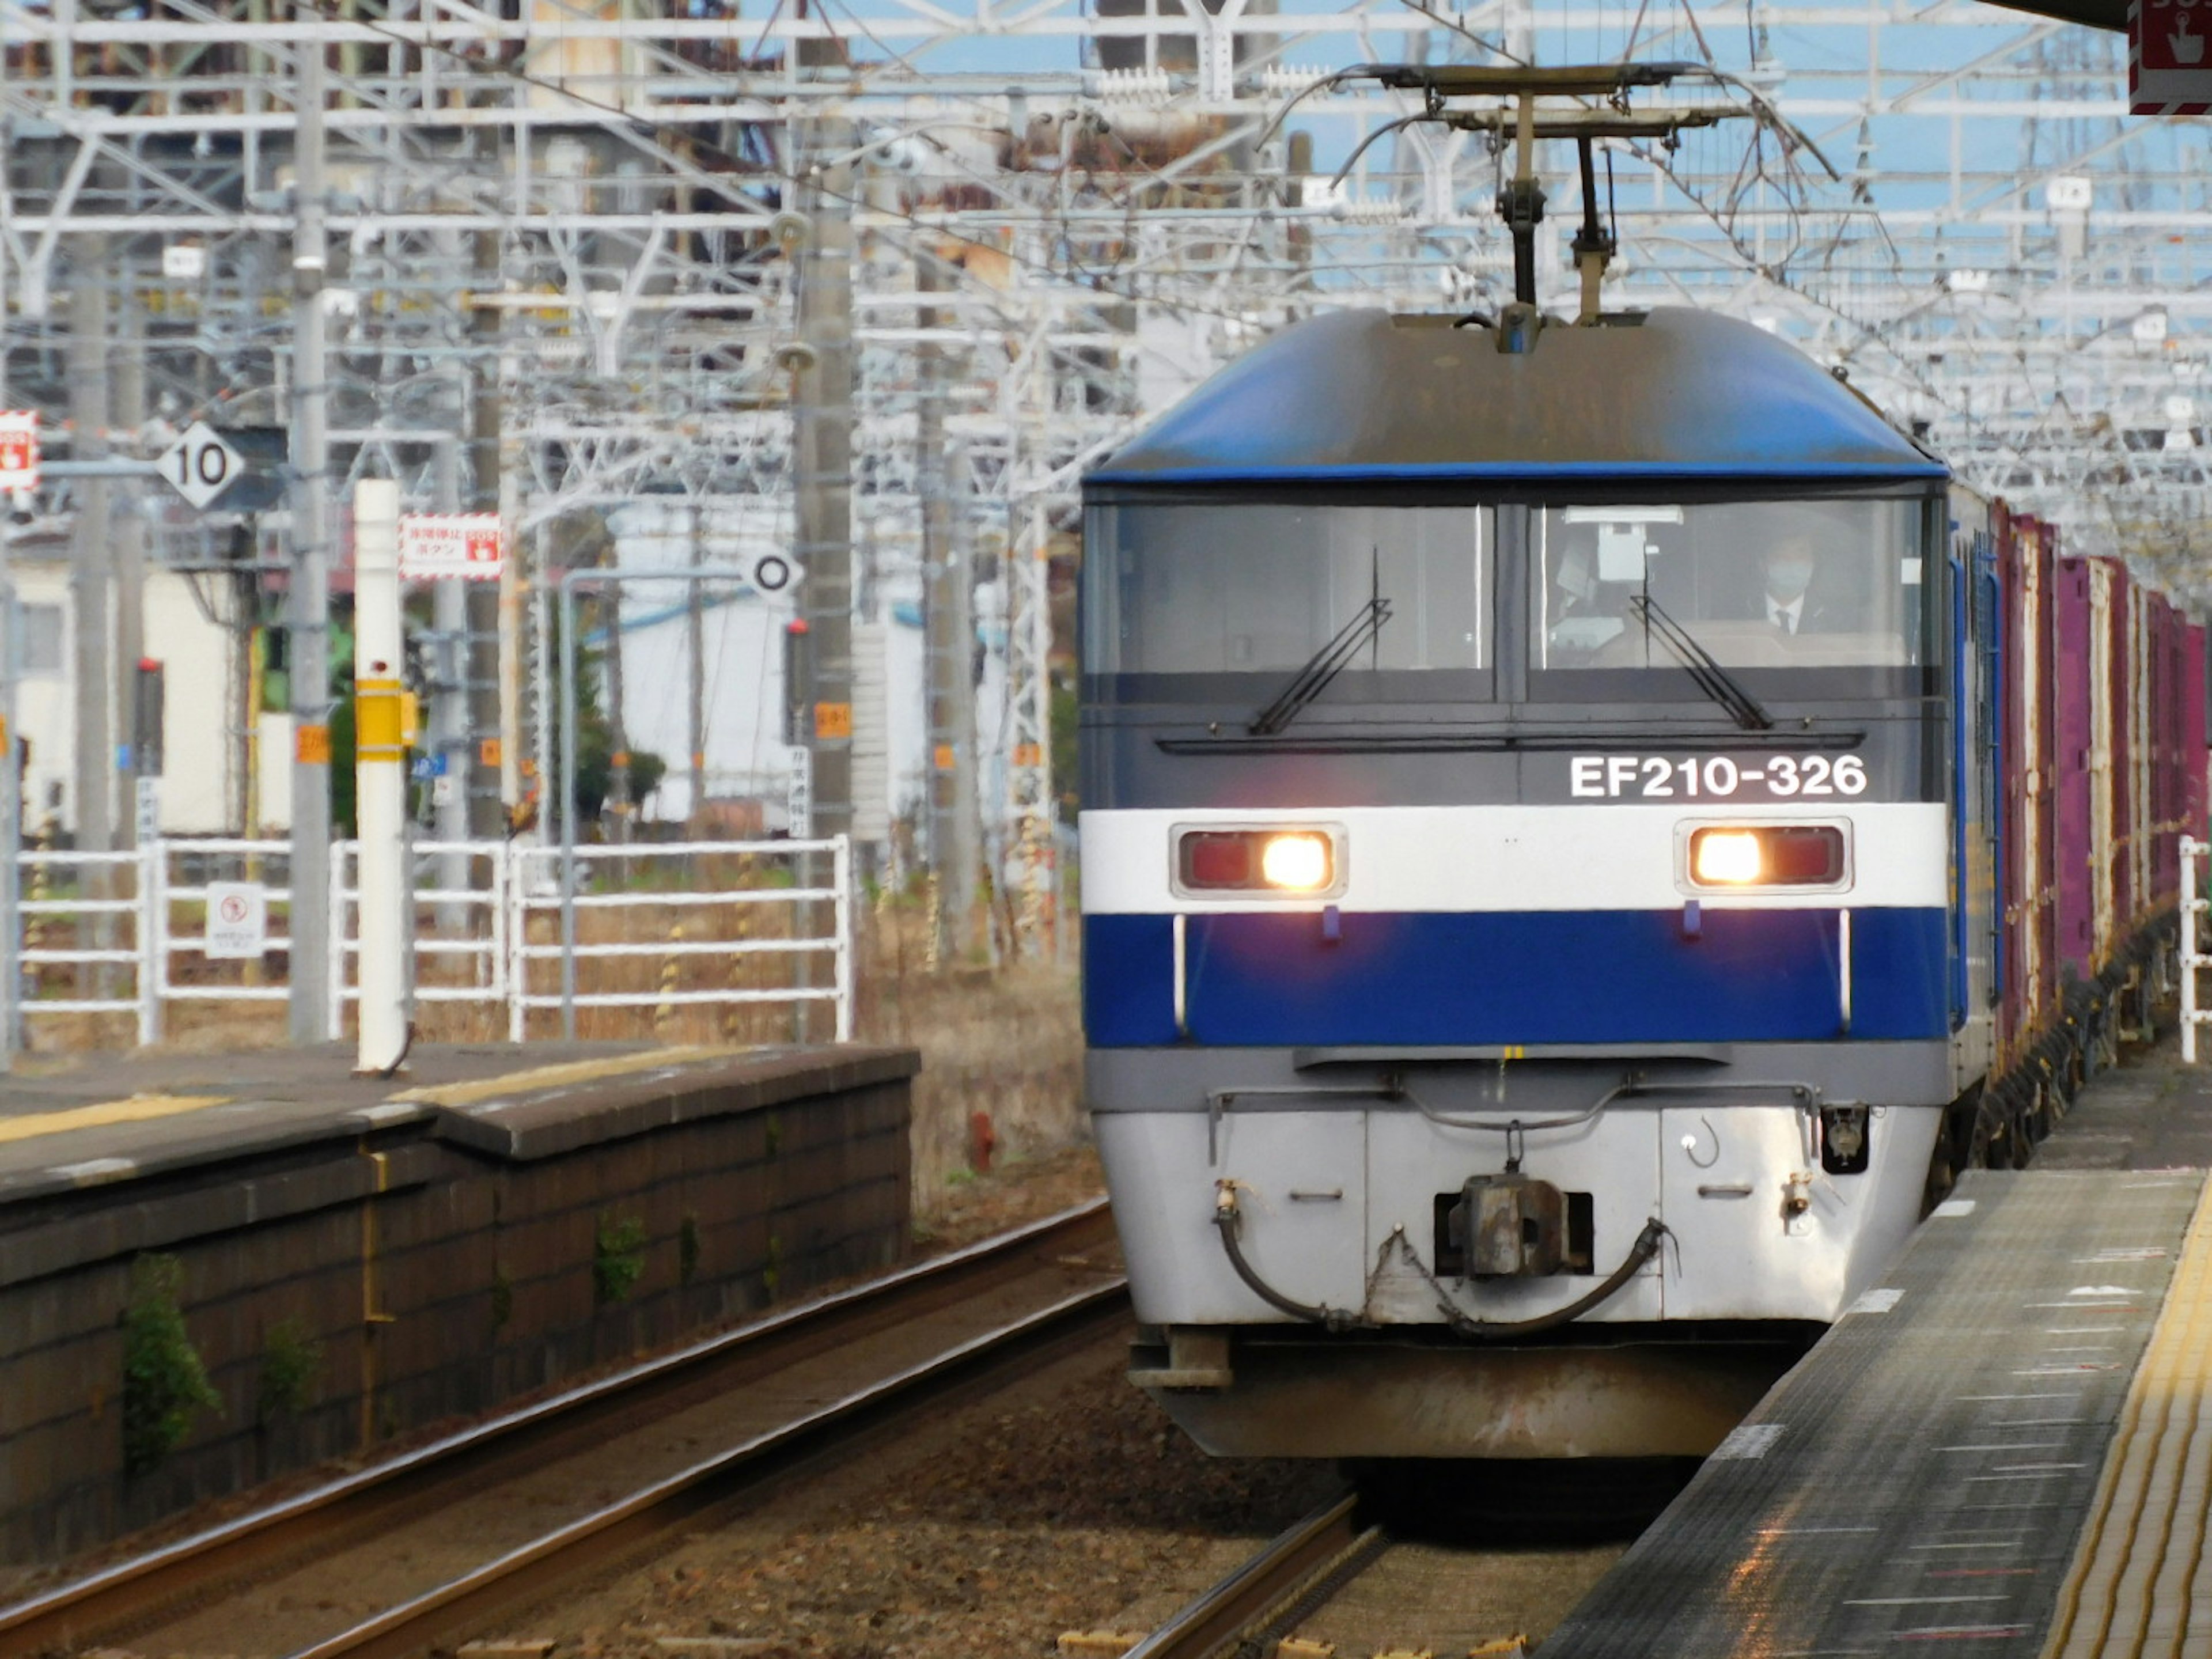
{"points": [[1365, 396]]}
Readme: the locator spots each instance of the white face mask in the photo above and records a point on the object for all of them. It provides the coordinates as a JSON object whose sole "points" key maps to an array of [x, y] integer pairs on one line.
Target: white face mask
{"points": [[1788, 576]]}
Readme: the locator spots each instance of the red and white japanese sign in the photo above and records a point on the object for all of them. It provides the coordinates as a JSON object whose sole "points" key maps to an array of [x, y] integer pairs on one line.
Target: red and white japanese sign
{"points": [[2168, 71], [19, 449], [433, 545]]}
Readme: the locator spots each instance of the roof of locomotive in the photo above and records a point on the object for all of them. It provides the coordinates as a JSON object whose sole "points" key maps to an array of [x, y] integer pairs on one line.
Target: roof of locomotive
{"points": [[1353, 396]]}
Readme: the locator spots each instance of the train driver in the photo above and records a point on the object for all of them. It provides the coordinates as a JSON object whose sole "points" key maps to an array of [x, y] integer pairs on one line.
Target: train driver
{"points": [[1788, 601]]}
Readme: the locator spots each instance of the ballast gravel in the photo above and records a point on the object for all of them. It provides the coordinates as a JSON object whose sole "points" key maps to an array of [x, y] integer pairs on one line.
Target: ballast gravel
{"points": [[1053, 1507]]}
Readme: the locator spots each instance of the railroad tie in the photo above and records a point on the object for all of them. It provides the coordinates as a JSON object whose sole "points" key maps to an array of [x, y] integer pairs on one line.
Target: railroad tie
{"points": [[1095, 1644]]}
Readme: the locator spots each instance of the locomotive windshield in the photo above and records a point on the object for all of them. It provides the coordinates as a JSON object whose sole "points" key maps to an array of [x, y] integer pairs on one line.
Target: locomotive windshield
{"points": [[1258, 588], [1757, 584]]}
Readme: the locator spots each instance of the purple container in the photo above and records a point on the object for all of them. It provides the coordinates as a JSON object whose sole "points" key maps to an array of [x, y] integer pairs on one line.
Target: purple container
{"points": [[2070, 732]]}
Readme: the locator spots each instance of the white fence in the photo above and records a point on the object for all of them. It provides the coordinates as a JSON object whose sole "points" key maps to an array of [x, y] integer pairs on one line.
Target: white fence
{"points": [[103, 900], [470, 924], [605, 883], [2193, 955], [495, 924]]}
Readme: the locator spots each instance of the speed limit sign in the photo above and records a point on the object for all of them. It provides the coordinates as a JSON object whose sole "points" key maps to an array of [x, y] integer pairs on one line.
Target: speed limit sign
{"points": [[201, 464]]}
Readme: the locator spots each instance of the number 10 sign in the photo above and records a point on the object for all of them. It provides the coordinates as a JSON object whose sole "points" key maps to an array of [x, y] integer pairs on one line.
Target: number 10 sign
{"points": [[2168, 71], [201, 464]]}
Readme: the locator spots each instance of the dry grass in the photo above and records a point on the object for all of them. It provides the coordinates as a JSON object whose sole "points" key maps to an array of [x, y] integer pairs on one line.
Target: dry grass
{"points": [[1007, 1045]]}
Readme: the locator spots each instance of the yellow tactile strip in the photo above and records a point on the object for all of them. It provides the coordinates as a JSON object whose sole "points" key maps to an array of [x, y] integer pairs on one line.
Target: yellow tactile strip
{"points": [[2140, 1583], [458, 1095], [136, 1109]]}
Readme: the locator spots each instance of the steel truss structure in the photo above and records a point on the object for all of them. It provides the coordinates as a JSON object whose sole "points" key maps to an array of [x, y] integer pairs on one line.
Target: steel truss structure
{"points": [[564, 235]]}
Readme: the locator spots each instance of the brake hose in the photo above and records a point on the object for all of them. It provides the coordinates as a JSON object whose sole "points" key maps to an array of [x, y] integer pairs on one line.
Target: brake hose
{"points": [[1226, 1218]]}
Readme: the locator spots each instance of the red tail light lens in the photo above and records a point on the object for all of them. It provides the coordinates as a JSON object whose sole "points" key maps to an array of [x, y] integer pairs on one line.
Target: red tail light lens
{"points": [[1218, 860]]}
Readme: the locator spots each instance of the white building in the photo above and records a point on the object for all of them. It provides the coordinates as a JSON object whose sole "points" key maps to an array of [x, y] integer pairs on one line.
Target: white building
{"points": [[201, 752], [741, 632]]}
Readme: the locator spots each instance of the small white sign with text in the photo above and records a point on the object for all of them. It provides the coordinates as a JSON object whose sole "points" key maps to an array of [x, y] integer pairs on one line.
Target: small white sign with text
{"points": [[237, 920]]}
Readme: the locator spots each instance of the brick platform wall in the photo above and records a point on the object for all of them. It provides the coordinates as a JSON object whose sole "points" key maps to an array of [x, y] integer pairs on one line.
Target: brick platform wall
{"points": [[439, 1278]]}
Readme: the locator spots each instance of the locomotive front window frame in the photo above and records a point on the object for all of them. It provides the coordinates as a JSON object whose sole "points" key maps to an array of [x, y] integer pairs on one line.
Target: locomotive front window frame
{"points": [[1227, 598]]}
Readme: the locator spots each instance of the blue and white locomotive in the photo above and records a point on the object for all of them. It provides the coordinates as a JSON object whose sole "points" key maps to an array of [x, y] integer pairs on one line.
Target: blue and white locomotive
{"points": [[1525, 786]]}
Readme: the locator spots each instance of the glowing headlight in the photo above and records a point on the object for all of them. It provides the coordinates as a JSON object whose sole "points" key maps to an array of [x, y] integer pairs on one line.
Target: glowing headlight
{"points": [[1725, 857], [1767, 855], [1299, 862]]}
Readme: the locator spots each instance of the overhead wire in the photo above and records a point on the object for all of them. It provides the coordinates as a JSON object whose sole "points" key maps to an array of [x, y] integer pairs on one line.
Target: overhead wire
{"points": [[1070, 253]]}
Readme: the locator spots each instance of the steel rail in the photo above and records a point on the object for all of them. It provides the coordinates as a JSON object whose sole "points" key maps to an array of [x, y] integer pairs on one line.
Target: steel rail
{"points": [[1257, 1588], [438, 1619], [131, 1591]]}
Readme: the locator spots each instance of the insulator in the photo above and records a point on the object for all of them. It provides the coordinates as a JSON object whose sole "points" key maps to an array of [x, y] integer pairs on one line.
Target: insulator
{"points": [[1130, 86], [1372, 210], [1282, 80]]}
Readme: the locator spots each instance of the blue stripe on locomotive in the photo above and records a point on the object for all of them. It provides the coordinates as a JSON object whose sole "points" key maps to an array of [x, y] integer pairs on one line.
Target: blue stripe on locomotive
{"points": [[1269, 978]]}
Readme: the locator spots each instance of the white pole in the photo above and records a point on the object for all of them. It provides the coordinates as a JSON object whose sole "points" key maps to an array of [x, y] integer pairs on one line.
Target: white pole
{"points": [[153, 937], [335, 913], [2191, 851], [380, 778], [518, 936], [841, 863]]}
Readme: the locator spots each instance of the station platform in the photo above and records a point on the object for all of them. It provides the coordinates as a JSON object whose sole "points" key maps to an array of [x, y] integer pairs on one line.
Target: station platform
{"points": [[2005, 1447], [492, 1222], [72, 1122]]}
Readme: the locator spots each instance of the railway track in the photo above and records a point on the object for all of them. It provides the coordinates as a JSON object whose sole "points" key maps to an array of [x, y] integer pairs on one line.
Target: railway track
{"points": [[709, 1423], [1334, 1583], [1307, 1560]]}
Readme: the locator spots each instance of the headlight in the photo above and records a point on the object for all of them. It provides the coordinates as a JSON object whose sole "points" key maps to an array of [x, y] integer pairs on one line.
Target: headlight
{"points": [[1298, 862], [1725, 857], [1767, 855], [1255, 861]]}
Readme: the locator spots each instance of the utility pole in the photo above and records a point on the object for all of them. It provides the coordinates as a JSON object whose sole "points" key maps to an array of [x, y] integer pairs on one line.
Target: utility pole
{"points": [[822, 423], [308, 617], [449, 672], [91, 552], [496, 652], [619, 802], [92, 555], [490, 609], [11, 777], [949, 635], [695, 653], [822, 477], [129, 404]]}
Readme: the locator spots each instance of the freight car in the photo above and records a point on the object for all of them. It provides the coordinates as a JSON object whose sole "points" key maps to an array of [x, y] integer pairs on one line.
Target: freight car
{"points": [[1585, 829], [2101, 756]]}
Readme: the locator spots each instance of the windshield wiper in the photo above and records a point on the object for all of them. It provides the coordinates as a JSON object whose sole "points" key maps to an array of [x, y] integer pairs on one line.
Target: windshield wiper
{"points": [[1703, 667], [1324, 665]]}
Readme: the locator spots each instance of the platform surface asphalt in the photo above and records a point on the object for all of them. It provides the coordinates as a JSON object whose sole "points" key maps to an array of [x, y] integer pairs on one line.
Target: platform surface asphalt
{"points": [[2005, 1447], [70, 1121]]}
